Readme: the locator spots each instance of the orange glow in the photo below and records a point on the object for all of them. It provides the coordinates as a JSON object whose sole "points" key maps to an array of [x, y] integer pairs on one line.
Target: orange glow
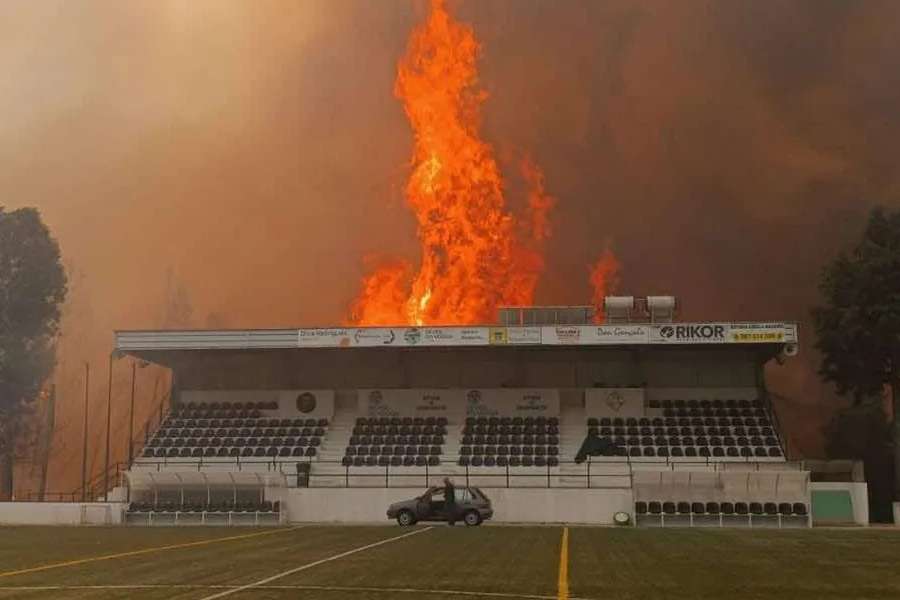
{"points": [[475, 255], [604, 279], [384, 294]]}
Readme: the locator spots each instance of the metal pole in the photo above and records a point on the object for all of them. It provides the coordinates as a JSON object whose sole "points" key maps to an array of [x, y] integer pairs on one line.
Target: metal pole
{"points": [[108, 413], [131, 414], [87, 383]]}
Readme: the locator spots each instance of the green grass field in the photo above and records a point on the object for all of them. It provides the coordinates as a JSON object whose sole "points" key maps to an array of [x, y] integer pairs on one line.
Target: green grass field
{"points": [[440, 563]]}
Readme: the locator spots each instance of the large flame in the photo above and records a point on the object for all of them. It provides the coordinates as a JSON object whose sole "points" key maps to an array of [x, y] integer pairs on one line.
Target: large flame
{"points": [[476, 256]]}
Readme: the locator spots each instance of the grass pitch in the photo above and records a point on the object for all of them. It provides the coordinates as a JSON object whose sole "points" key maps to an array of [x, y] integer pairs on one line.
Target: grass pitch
{"points": [[440, 563]]}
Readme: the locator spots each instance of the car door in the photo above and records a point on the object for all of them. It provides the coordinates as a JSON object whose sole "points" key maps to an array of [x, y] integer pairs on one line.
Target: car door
{"points": [[437, 506], [423, 506]]}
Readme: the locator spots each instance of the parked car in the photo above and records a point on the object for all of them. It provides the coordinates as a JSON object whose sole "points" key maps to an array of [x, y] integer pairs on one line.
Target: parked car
{"points": [[473, 507]]}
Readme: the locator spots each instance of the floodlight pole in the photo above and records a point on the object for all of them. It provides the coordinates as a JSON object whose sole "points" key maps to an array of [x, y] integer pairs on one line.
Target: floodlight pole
{"points": [[108, 412], [87, 385], [131, 414]]}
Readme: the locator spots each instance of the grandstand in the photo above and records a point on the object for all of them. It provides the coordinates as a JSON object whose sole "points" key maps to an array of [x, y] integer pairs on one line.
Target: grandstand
{"points": [[333, 424]]}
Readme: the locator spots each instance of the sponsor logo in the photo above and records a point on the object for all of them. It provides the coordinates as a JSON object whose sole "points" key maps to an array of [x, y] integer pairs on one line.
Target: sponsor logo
{"points": [[306, 402], [472, 335], [365, 337], [615, 400], [377, 407], [569, 335], [475, 407], [757, 336], [413, 336], [621, 332], [431, 402], [757, 332], [708, 332], [498, 336], [524, 335], [324, 337], [532, 402]]}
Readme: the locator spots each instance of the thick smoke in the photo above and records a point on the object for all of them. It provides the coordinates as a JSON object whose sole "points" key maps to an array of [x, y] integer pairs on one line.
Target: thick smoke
{"points": [[229, 164]]}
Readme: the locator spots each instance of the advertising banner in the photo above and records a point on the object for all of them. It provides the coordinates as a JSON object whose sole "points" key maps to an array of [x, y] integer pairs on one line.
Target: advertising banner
{"points": [[524, 335], [457, 404], [744, 333], [562, 334], [614, 402], [447, 336], [573, 335], [515, 335], [380, 336], [596, 334], [689, 333], [291, 403], [411, 403], [324, 338], [512, 402]]}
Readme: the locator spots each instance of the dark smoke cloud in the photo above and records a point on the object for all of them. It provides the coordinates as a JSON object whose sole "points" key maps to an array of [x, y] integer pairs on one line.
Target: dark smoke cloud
{"points": [[254, 153]]}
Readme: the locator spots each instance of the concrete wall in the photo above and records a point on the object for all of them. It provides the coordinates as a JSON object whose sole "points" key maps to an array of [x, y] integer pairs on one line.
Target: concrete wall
{"points": [[61, 513], [494, 367], [859, 496], [356, 505]]}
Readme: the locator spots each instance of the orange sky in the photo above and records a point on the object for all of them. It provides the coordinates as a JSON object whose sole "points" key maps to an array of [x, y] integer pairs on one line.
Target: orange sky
{"points": [[251, 154]]}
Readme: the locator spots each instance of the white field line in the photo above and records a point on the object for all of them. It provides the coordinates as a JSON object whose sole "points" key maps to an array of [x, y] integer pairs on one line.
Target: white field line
{"points": [[322, 588], [194, 544], [322, 561]]}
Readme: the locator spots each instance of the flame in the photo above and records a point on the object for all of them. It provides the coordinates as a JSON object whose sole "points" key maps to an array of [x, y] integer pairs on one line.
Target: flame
{"points": [[384, 294], [604, 279], [475, 255]]}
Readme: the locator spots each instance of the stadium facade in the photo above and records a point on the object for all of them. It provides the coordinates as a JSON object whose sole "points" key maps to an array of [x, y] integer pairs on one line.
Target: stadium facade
{"points": [[334, 424]]}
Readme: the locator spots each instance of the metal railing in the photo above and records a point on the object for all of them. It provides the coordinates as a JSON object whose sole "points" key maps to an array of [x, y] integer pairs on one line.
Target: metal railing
{"points": [[487, 477], [591, 473]]}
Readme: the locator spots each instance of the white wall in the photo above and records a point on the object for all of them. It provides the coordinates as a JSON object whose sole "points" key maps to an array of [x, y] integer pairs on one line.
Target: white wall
{"points": [[61, 513], [859, 495], [357, 505]]}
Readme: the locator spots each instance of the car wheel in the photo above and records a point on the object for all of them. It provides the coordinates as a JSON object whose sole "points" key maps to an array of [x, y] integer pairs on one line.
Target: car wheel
{"points": [[406, 518], [472, 518]]}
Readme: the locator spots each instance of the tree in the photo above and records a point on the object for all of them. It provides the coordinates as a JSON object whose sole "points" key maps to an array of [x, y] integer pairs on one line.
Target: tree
{"points": [[862, 432], [858, 326], [32, 288]]}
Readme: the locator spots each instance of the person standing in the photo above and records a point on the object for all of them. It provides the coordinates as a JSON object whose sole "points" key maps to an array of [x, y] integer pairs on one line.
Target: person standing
{"points": [[450, 501]]}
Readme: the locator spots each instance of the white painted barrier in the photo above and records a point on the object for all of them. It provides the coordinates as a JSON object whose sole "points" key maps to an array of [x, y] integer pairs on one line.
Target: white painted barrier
{"points": [[511, 505], [859, 496], [61, 513]]}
